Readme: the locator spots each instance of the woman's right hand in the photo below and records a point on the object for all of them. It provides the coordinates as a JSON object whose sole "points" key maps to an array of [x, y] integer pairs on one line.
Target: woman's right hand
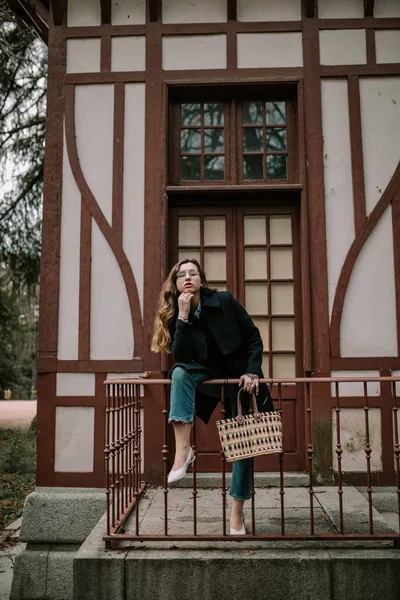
{"points": [[184, 301]]}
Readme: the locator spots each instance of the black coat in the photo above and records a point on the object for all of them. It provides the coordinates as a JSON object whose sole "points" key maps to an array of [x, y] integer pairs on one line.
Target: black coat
{"points": [[237, 338]]}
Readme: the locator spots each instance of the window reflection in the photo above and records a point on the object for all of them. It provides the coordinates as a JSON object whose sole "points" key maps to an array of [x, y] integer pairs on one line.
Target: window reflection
{"points": [[277, 166], [276, 140], [190, 114], [214, 140], [252, 113], [190, 168], [275, 113], [214, 168], [190, 140], [253, 139], [253, 167], [213, 114]]}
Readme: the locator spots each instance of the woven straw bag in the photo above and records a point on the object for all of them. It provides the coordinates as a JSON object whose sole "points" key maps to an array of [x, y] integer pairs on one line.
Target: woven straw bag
{"points": [[250, 435]]}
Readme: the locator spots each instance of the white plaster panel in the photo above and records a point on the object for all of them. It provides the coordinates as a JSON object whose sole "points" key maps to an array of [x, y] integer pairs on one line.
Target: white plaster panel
{"points": [[83, 55], [81, 14], [110, 318], [368, 326], [356, 388], [338, 178], [342, 47], [74, 439], [194, 11], [380, 121], [133, 196], [386, 8], [68, 313], [268, 10], [194, 52], [387, 44], [128, 12], [352, 439], [94, 121], [258, 50], [340, 9], [128, 53], [75, 384]]}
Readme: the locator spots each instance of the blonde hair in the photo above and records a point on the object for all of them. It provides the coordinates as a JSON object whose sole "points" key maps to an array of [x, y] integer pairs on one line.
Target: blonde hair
{"points": [[168, 305]]}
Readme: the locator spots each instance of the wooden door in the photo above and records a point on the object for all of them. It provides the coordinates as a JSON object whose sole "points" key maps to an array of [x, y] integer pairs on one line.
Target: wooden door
{"points": [[254, 252]]}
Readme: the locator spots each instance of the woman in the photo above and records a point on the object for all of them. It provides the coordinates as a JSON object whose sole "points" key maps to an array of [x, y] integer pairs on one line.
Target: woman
{"points": [[210, 335]]}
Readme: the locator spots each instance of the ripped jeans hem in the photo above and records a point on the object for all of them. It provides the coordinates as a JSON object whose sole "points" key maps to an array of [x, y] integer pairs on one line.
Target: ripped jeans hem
{"points": [[236, 497], [178, 420]]}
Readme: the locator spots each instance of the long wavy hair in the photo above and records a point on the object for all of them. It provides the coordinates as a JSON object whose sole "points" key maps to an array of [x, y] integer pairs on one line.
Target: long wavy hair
{"points": [[168, 305]]}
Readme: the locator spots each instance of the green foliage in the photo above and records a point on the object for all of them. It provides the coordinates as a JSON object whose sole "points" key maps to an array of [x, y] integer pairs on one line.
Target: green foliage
{"points": [[23, 72], [17, 339], [17, 472]]}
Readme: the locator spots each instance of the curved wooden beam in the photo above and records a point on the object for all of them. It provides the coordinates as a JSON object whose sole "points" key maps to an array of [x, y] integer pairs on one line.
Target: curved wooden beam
{"points": [[101, 221], [354, 251]]}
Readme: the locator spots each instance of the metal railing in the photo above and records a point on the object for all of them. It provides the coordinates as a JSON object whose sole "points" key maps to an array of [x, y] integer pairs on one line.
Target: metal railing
{"points": [[124, 485]]}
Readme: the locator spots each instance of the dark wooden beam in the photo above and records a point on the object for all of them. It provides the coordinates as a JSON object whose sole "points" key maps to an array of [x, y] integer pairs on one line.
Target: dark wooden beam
{"points": [[232, 10], [368, 8], [105, 12], [59, 11], [155, 10], [310, 9]]}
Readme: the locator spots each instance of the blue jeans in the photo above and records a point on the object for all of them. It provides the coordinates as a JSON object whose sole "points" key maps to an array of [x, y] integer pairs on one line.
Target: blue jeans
{"points": [[182, 411]]}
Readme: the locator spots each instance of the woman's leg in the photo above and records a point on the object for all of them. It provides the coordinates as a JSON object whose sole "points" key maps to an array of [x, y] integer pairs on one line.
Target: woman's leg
{"points": [[181, 413], [240, 490]]}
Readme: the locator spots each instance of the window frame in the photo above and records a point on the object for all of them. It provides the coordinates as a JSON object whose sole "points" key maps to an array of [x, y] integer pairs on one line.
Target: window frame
{"points": [[232, 98]]}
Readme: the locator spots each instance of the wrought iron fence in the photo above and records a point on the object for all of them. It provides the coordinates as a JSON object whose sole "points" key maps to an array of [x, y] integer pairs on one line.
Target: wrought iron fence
{"points": [[123, 458]]}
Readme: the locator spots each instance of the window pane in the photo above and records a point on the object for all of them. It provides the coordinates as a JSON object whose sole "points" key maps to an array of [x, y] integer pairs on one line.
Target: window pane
{"points": [[190, 140], [214, 168], [213, 114], [214, 140], [282, 298], [254, 230], [281, 263], [190, 168], [263, 327], [276, 140], [255, 263], [252, 113], [275, 113], [187, 254], [215, 265], [283, 365], [253, 167], [214, 231], [190, 114], [256, 298], [189, 231], [283, 334], [277, 167], [252, 139], [280, 229]]}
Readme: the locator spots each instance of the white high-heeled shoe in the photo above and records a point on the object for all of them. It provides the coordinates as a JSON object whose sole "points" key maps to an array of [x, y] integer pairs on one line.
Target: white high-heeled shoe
{"points": [[174, 476], [239, 531]]}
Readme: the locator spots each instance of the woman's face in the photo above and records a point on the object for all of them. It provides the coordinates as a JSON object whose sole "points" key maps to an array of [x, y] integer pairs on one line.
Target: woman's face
{"points": [[188, 278]]}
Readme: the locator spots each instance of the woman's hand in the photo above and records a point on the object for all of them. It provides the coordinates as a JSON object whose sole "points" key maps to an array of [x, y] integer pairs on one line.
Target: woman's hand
{"points": [[250, 383], [184, 301]]}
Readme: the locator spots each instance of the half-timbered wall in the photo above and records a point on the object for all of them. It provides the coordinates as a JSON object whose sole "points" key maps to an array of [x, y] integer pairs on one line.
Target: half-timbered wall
{"points": [[108, 195]]}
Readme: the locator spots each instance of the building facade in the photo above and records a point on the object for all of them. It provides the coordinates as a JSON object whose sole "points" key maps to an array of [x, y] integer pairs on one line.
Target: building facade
{"points": [[260, 137]]}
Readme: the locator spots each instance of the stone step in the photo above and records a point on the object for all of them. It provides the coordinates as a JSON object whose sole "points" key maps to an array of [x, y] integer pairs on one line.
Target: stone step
{"points": [[261, 480]]}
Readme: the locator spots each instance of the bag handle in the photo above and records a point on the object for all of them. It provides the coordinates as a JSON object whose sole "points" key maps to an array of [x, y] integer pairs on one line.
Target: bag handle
{"points": [[240, 417]]}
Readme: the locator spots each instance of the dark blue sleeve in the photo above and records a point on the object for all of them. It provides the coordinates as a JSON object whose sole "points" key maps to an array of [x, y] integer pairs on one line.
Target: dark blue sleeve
{"points": [[181, 341]]}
